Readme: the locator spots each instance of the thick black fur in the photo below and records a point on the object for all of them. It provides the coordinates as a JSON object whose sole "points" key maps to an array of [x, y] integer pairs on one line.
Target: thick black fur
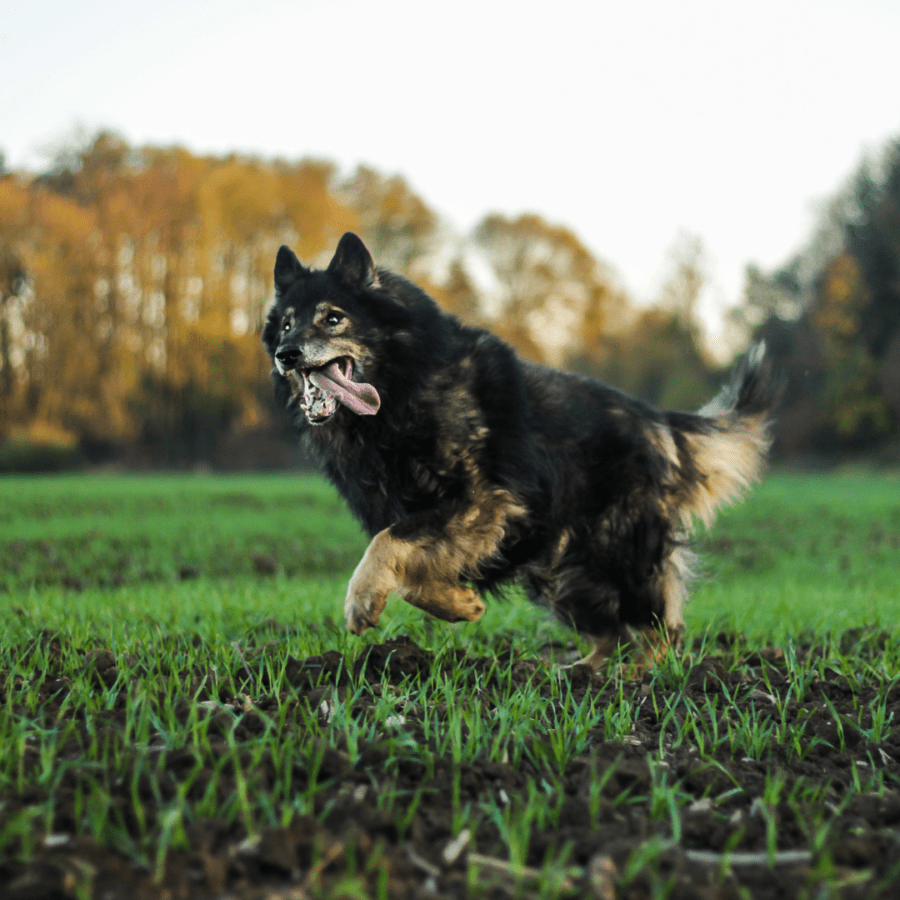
{"points": [[607, 498]]}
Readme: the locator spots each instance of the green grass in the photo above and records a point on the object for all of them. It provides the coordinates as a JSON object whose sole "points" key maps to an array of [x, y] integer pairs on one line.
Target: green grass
{"points": [[207, 590], [109, 531], [803, 552]]}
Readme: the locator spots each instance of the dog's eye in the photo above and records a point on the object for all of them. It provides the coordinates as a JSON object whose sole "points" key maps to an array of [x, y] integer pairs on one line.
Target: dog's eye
{"points": [[333, 318], [286, 326]]}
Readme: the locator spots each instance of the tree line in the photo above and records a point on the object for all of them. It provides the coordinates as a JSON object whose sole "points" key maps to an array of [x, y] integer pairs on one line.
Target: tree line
{"points": [[831, 315], [134, 282]]}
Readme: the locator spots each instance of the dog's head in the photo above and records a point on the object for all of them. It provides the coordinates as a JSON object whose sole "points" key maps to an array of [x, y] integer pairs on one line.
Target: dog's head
{"points": [[313, 331], [352, 338], [326, 328]]}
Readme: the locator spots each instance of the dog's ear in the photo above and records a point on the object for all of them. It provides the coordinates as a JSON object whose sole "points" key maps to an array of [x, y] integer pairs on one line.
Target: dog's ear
{"points": [[352, 263], [287, 270]]}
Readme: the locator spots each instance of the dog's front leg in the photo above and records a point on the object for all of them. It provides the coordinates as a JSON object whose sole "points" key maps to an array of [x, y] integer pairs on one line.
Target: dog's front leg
{"points": [[394, 565], [379, 572], [424, 560]]}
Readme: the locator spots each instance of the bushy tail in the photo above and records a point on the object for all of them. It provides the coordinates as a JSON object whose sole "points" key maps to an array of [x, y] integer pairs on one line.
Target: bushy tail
{"points": [[723, 447], [751, 391]]}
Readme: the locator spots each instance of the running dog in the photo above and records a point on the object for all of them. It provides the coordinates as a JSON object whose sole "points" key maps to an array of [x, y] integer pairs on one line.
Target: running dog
{"points": [[470, 467]]}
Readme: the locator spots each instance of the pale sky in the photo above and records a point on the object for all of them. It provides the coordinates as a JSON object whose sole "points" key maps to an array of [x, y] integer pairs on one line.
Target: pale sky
{"points": [[629, 122]]}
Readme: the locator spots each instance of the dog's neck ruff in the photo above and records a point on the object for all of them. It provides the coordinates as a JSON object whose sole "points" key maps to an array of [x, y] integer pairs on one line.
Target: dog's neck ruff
{"points": [[335, 381]]}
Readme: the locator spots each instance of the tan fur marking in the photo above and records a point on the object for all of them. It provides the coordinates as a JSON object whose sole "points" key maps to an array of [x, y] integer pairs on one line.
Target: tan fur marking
{"points": [[560, 548], [384, 568], [317, 351], [662, 440], [676, 575], [450, 602], [323, 310], [373, 579], [731, 460], [427, 572]]}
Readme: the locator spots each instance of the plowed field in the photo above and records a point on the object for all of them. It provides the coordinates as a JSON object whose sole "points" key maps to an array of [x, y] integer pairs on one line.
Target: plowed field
{"points": [[200, 727]]}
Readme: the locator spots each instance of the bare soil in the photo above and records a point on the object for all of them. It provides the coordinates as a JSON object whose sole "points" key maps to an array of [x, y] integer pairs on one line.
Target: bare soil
{"points": [[349, 831]]}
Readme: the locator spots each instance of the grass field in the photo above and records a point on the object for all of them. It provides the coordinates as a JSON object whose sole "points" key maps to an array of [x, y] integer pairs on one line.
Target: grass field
{"points": [[802, 552], [179, 696]]}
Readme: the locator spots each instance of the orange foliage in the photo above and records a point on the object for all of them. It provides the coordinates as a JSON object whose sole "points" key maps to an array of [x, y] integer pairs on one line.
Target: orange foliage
{"points": [[550, 286], [147, 276], [150, 267]]}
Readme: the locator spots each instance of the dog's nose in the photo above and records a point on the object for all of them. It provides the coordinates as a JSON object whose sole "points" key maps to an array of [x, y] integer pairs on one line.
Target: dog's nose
{"points": [[288, 356]]}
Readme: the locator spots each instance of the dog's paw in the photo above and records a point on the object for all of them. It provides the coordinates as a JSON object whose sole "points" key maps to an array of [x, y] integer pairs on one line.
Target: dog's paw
{"points": [[467, 605], [452, 603], [362, 610]]}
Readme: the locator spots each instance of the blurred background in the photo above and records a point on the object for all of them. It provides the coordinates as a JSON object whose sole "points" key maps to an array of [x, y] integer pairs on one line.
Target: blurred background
{"points": [[635, 191]]}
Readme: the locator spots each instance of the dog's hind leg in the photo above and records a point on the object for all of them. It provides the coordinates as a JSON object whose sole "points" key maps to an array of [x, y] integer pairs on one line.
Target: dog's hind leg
{"points": [[650, 643], [601, 614], [602, 649], [649, 646], [645, 648]]}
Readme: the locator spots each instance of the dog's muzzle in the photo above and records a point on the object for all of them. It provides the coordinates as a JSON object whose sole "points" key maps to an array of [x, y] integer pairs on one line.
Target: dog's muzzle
{"points": [[323, 388]]}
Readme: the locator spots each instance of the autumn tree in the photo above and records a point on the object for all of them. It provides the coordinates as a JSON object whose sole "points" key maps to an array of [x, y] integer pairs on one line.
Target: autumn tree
{"points": [[656, 352], [400, 230], [210, 270], [459, 295], [852, 398], [548, 282], [13, 297], [57, 323], [873, 238], [832, 317], [134, 282], [149, 272]]}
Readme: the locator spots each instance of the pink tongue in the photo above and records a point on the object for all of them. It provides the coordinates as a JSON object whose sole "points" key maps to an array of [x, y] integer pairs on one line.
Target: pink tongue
{"points": [[362, 399]]}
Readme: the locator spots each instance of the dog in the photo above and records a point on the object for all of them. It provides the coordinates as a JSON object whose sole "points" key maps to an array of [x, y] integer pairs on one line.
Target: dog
{"points": [[471, 468]]}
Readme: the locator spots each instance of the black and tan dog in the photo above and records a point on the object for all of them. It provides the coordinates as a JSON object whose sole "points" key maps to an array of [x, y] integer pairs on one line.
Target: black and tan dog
{"points": [[471, 467]]}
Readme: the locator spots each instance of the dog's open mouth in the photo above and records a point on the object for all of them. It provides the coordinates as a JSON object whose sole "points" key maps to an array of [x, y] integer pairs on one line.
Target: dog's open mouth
{"points": [[331, 385]]}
